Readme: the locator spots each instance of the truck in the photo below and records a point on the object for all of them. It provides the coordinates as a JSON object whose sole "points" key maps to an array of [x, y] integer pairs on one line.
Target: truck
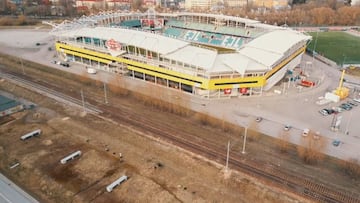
{"points": [[307, 83]]}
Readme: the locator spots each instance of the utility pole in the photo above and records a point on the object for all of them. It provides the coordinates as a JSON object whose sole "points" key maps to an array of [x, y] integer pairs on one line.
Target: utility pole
{"points": [[22, 66], [105, 94], [317, 34], [82, 99], [244, 143], [347, 125], [227, 156]]}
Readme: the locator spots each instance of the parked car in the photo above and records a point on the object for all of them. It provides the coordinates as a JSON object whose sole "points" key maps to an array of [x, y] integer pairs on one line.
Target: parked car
{"points": [[65, 64], [305, 132], [338, 109], [324, 112], [336, 143], [356, 100], [346, 106], [352, 103], [287, 127]]}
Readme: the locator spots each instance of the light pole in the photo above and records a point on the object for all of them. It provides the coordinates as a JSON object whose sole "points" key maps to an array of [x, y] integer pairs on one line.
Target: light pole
{"points": [[82, 99], [105, 94], [317, 34], [227, 156], [347, 125], [244, 143], [22, 66]]}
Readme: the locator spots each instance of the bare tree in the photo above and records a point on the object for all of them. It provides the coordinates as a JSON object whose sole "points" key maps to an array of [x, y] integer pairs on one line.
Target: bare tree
{"points": [[311, 150]]}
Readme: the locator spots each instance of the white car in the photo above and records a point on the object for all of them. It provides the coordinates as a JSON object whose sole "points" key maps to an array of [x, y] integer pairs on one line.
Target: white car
{"points": [[91, 70], [305, 132], [287, 127], [357, 100]]}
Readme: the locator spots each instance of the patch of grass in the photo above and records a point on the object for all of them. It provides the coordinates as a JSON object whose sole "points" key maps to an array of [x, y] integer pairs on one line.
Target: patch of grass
{"points": [[340, 47]]}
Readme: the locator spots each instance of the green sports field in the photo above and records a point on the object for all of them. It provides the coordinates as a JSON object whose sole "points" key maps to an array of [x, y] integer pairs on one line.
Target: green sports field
{"points": [[341, 47]]}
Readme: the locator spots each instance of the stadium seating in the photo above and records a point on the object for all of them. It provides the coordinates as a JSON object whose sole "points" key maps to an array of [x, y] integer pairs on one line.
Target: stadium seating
{"points": [[173, 32], [131, 23], [208, 33], [228, 41], [189, 35]]}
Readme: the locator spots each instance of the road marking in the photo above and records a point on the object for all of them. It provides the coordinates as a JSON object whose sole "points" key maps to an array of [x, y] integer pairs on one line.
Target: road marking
{"points": [[6, 199]]}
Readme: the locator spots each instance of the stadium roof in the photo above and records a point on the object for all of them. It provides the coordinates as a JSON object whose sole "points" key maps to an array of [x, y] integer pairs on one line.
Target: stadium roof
{"points": [[270, 47], [141, 39], [217, 16], [6, 103]]}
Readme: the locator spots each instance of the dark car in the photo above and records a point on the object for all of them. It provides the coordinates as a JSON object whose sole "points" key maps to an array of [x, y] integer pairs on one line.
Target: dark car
{"points": [[346, 106], [65, 64], [352, 103], [336, 143]]}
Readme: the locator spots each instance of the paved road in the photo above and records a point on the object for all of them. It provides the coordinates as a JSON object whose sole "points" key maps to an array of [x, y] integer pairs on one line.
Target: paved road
{"points": [[11, 193]]}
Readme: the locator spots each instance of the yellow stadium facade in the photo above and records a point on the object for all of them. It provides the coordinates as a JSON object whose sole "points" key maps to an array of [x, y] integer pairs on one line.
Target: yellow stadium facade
{"points": [[173, 76]]}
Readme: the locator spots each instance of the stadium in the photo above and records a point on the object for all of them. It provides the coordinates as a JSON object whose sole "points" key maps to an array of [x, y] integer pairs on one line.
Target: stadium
{"points": [[207, 55]]}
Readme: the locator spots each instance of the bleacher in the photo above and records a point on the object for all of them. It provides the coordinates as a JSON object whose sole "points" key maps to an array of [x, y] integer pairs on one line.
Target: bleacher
{"points": [[189, 35], [130, 23], [173, 32], [173, 23], [229, 37]]}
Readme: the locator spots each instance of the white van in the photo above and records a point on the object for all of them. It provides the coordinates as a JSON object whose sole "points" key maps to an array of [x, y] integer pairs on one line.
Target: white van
{"points": [[305, 132], [91, 70]]}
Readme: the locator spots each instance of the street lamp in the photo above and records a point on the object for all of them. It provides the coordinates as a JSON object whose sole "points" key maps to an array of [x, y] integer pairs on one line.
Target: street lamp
{"points": [[343, 62], [244, 142], [347, 125], [317, 34]]}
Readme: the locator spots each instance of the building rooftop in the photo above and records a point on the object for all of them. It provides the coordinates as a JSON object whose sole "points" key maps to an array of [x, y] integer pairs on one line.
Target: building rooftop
{"points": [[6, 103]]}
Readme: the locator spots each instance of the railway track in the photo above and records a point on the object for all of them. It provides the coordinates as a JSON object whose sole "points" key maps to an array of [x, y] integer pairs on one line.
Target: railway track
{"points": [[41, 89], [297, 184]]}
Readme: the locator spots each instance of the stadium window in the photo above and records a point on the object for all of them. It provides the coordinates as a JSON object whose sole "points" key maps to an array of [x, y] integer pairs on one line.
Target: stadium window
{"points": [[131, 49]]}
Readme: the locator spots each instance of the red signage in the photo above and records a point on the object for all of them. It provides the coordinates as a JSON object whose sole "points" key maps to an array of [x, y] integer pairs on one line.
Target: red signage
{"points": [[113, 45], [227, 91], [243, 90]]}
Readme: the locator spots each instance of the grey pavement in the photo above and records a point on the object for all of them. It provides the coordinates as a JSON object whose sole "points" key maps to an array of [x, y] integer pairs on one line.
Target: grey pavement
{"points": [[11, 193]]}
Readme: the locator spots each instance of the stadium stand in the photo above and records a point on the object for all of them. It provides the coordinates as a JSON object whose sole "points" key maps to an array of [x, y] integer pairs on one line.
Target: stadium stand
{"points": [[173, 32], [130, 23]]}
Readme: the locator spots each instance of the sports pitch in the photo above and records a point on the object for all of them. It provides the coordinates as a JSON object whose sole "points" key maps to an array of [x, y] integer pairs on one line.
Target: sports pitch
{"points": [[341, 47]]}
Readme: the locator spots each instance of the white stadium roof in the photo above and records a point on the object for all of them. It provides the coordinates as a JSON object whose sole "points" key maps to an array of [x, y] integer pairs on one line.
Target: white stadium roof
{"points": [[145, 40], [261, 54], [270, 47]]}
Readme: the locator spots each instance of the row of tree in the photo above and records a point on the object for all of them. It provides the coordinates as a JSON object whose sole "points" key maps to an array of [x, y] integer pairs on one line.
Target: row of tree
{"points": [[330, 12], [301, 13]]}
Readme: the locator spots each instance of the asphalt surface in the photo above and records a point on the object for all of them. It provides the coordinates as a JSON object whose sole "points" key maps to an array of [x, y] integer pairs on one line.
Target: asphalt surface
{"points": [[294, 106], [11, 193]]}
